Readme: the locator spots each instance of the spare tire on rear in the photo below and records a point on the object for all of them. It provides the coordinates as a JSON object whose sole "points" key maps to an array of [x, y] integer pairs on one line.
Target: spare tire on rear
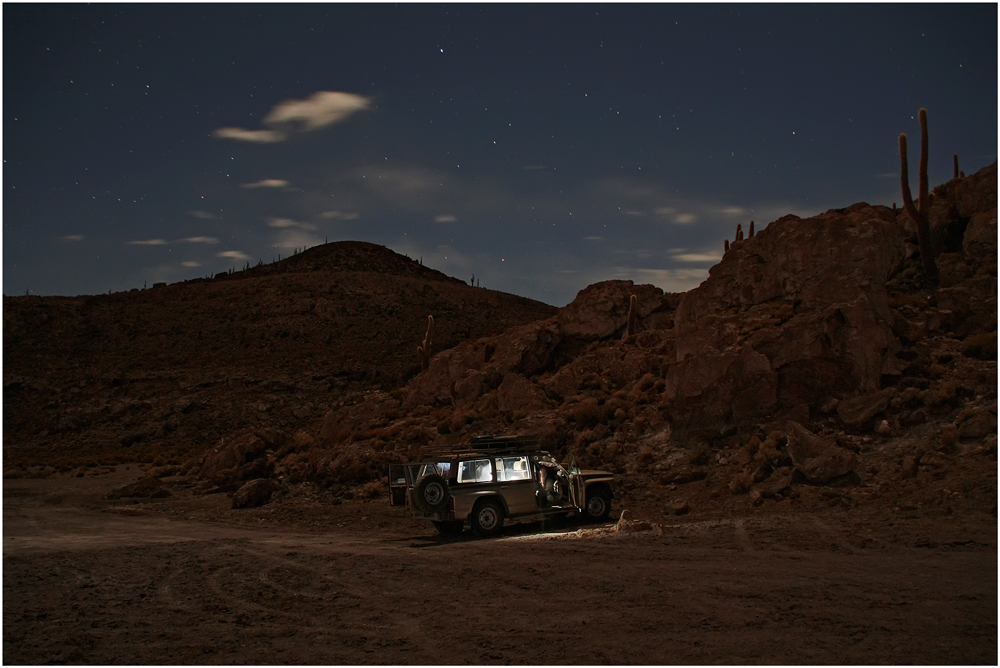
{"points": [[431, 493]]}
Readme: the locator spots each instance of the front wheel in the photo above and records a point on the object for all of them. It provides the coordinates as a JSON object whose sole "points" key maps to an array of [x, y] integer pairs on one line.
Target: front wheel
{"points": [[598, 505], [487, 518]]}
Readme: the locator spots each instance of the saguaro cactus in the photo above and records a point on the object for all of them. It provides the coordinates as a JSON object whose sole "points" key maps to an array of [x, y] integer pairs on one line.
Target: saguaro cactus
{"points": [[919, 216], [739, 232], [954, 158], [726, 247], [425, 350], [750, 235], [633, 303]]}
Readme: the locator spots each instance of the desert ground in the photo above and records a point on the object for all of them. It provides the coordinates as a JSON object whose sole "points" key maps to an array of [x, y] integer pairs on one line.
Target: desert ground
{"points": [[306, 579]]}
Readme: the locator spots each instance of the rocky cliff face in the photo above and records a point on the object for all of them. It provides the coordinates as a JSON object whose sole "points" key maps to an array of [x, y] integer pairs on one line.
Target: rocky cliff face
{"points": [[814, 331]]}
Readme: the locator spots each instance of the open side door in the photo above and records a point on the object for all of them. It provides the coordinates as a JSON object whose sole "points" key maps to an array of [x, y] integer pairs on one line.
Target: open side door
{"points": [[397, 485]]}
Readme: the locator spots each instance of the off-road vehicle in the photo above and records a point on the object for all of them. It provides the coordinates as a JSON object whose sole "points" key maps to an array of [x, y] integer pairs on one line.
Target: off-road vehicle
{"points": [[497, 478]]}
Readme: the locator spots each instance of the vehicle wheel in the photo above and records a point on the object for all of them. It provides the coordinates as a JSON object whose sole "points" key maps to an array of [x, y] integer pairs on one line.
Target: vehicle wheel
{"points": [[431, 493], [487, 518], [450, 528], [598, 505]]}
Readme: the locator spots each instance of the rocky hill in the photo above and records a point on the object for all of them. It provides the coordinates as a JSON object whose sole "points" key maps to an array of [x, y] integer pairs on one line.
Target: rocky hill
{"points": [[162, 374], [816, 364]]}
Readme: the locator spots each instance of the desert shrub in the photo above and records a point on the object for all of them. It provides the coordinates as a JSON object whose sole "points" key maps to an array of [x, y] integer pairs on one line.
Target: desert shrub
{"points": [[741, 483], [590, 382], [586, 414], [372, 490], [981, 346]]}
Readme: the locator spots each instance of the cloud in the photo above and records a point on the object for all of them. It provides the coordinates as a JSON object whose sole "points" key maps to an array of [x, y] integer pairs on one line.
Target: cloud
{"points": [[698, 257], [322, 109], [288, 222], [147, 242], [266, 183], [685, 218], [292, 238], [446, 218], [190, 263], [593, 238], [200, 240], [234, 255], [72, 238], [340, 215], [255, 136], [732, 210], [633, 212], [665, 210], [204, 215]]}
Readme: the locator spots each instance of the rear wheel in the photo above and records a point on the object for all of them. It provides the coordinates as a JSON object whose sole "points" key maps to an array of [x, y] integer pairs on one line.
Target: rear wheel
{"points": [[598, 505], [450, 528], [487, 518], [431, 493]]}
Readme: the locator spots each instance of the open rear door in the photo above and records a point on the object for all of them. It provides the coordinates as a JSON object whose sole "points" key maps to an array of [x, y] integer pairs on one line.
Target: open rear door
{"points": [[397, 485]]}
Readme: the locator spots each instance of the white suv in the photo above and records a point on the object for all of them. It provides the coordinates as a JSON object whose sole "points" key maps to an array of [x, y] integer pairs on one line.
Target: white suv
{"points": [[494, 479]]}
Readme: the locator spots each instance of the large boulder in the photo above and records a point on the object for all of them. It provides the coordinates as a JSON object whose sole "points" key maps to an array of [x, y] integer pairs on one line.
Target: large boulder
{"points": [[601, 309], [475, 367], [817, 459], [858, 412], [254, 493], [232, 453]]}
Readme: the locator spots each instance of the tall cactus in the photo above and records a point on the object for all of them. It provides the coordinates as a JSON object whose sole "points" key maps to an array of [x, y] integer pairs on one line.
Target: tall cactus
{"points": [[633, 302], [750, 234], [954, 158], [425, 350], [919, 216]]}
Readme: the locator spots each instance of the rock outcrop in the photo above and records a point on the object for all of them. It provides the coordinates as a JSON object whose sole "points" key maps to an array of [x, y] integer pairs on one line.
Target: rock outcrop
{"points": [[794, 315]]}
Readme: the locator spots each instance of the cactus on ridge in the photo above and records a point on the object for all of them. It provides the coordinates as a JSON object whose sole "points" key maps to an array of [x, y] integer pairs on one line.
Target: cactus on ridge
{"points": [[739, 232], [954, 158], [726, 247], [630, 329], [919, 216], [425, 350], [750, 235]]}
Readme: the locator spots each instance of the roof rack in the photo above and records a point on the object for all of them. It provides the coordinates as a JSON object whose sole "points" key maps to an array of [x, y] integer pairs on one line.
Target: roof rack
{"points": [[491, 442]]}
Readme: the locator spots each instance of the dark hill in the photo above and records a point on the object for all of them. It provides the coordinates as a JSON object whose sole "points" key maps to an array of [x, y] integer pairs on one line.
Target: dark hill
{"points": [[161, 372]]}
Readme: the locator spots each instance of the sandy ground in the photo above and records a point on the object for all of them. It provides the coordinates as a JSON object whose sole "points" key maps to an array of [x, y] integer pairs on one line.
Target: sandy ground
{"points": [[187, 580]]}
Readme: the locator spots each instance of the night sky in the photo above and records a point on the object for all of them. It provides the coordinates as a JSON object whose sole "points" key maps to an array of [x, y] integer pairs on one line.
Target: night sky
{"points": [[540, 148]]}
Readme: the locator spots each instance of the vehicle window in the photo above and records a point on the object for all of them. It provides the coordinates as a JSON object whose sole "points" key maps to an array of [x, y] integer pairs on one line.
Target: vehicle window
{"points": [[441, 468], [475, 470], [512, 468]]}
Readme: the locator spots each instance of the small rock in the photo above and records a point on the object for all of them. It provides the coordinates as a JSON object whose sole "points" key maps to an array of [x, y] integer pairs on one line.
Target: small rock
{"points": [[678, 507], [756, 498], [883, 428]]}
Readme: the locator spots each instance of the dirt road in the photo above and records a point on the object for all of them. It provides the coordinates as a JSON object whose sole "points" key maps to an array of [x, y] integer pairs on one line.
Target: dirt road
{"points": [[187, 580]]}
